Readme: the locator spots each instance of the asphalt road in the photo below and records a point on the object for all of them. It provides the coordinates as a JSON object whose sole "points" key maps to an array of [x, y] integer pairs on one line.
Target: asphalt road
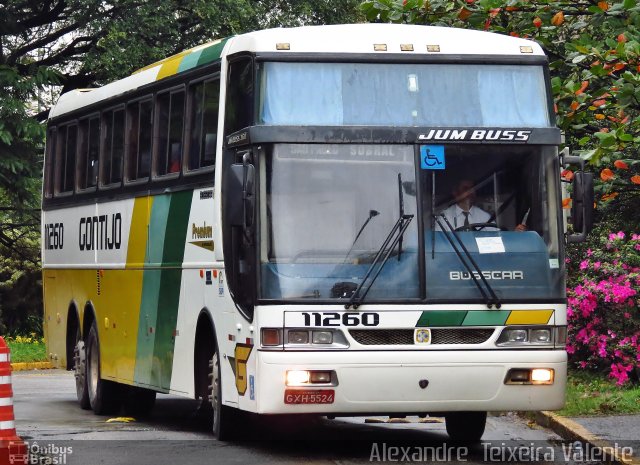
{"points": [[49, 418]]}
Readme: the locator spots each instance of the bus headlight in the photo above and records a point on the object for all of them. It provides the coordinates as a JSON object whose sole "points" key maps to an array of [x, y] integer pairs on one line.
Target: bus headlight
{"points": [[303, 338], [527, 336]]}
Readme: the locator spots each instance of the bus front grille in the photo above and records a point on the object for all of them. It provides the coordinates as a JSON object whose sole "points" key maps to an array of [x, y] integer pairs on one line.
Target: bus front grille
{"points": [[389, 337]]}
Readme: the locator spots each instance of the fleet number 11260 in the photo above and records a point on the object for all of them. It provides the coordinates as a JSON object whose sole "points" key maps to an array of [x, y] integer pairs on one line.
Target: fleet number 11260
{"points": [[347, 319]]}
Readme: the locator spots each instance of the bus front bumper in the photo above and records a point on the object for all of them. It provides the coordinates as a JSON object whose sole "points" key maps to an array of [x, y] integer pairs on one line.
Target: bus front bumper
{"points": [[378, 382]]}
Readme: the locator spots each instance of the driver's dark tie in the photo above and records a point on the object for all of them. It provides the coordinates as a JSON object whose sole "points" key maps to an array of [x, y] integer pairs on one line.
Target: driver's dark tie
{"points": [[466, 218]]}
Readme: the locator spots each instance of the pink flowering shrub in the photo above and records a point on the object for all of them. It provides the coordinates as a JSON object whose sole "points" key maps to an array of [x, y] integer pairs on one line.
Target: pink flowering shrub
{"points": [[603, 306]]}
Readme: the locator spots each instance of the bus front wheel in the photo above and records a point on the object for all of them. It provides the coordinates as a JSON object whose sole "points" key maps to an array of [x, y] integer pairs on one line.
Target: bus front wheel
{"points": [[80, 371], [224, 418], [103, 395], [466, 426]]}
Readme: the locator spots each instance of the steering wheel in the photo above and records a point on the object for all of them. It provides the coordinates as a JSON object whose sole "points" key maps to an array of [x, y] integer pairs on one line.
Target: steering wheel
{"points": [[479, 227]]}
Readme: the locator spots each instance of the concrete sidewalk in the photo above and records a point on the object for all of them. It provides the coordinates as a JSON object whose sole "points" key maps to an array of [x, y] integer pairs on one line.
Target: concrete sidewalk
{"points": [[618, 434]]}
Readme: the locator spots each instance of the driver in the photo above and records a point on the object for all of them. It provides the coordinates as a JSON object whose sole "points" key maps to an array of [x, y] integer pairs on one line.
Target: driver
{"points": [[464, 213]]}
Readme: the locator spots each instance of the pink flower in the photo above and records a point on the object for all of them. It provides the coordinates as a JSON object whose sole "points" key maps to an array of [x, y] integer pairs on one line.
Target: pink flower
{"points": [[596, 265], [620, 235], [589, 252], [584, 264]]}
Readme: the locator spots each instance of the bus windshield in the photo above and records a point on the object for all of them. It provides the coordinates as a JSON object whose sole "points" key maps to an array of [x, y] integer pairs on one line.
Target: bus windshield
{"points": [[326, 210], [436, 95]]}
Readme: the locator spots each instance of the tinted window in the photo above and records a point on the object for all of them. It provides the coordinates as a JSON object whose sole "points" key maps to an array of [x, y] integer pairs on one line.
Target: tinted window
{"points": [[113, 146], [89, 153], [140, 125], [66, 159], [50, 162], [204, 123], [239, 107], [170, 124]]}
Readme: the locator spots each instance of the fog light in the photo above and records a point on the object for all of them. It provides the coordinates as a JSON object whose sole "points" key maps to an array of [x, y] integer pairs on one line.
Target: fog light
{"points": [[298, 337], [541, 335], [322, 337], [297, 378], [320, 377], [519, 376], [542, 376], [271, 337]]}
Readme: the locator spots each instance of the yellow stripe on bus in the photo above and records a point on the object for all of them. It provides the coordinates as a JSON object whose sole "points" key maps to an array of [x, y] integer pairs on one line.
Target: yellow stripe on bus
{"points": [[139, 234], [529, 317], [170, 67]]}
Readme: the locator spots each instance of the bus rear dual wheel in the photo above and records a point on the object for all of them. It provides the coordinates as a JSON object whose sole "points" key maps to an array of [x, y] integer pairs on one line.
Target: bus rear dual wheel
{"points": [[102, 396], [465, 426]]}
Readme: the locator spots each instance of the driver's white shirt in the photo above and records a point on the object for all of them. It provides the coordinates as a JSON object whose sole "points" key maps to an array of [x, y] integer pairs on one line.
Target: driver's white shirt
{"points": [[455, 215]]}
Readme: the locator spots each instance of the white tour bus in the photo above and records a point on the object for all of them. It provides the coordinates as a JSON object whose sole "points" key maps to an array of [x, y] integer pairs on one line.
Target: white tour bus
{"points": [[271, 223]]}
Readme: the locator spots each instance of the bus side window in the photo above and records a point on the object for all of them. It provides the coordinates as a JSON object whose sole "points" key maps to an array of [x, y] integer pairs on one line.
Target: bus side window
{"points": [[50, 162], [66, 159], [239, 102], [89, 152], [204, 123], [169, 133], [113, 148], [139, 127]]}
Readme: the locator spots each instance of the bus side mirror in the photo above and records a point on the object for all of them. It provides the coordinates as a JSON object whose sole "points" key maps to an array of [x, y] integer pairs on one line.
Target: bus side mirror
{"points": [[240, 197], [581, 206]]}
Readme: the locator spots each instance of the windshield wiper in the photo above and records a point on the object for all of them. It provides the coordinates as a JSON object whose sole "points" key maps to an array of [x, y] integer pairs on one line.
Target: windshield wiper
{"points": [[385, 249], [372, 214], [489, 301]]}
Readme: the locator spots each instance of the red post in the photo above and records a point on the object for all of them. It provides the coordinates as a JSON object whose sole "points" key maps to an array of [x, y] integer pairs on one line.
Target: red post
{"points": [[13, 450]]}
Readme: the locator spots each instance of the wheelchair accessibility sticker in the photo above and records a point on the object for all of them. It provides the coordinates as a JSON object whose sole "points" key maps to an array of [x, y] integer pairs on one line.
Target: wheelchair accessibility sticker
{"points": [[432, 157]]}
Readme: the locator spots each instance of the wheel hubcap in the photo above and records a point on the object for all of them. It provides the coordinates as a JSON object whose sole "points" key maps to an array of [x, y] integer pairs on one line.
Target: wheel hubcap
{"points": [[93, 369]]}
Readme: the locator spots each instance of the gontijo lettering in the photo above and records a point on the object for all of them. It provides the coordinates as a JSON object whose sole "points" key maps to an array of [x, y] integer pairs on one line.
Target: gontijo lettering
{"points": [[102, 232]]}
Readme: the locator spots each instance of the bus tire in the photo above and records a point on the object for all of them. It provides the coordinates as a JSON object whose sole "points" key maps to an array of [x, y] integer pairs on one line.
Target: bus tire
{"points": [[465, 426], [225, 426], [80, 372], [138, 401], [103, 394]]}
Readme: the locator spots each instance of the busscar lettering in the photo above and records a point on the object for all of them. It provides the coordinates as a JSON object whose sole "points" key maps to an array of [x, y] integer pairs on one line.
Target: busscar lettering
{"points": [[497, 135], [489, 275], [54, 236], [102, 232]]}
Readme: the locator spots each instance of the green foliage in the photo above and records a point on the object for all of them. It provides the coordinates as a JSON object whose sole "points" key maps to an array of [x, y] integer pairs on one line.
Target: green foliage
{"points": [[27, 348], [594, 52], [593, 394]]}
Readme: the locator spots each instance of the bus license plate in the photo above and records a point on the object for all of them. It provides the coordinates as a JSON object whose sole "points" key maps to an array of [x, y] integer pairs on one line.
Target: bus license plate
{"points": [[308, 396]]}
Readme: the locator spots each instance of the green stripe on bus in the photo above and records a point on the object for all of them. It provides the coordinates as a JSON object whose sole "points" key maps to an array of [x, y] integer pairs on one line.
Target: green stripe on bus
{"points": [[161, 289], [189, 61], [151, 290], [170, 284], [442, 318], [486, 318], [212, 53]]}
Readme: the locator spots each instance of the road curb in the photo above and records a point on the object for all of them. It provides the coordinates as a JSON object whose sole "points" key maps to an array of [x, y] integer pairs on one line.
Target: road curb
{"points": [[31, 366], [572, 431]]}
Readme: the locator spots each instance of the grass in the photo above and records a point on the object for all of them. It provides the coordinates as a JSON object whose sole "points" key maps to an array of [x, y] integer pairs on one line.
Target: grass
{"points": [[27, 349], [595, 394]]}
